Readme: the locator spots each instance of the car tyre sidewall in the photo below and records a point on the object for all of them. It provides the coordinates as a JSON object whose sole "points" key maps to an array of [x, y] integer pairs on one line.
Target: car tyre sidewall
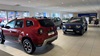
{"points": [[33, 48], [64, 32], [81, 32]]}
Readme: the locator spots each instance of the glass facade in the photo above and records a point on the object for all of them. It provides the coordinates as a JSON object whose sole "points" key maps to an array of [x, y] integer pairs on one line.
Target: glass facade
{"points": [[3, 15], [9, 15], [55, 15]]}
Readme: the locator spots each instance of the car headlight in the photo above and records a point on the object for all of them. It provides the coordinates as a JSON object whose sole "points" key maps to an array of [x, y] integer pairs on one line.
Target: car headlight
{"points": [[77, 26], [64, 26]]}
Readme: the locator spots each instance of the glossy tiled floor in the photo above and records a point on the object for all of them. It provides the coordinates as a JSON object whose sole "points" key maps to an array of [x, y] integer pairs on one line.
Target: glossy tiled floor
{"points": [[65, 45]]}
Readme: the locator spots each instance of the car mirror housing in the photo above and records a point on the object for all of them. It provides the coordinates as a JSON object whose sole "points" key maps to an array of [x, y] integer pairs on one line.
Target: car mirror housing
{"points": [[7, 27]]}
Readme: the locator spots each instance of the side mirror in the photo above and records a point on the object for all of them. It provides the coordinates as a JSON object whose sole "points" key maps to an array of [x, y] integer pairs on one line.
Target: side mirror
{"points": [[7, 27]]}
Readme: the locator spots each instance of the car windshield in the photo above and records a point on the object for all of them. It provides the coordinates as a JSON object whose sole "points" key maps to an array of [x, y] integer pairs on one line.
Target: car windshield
{"points": [[46, 23], [75, 20], [65, 19]]}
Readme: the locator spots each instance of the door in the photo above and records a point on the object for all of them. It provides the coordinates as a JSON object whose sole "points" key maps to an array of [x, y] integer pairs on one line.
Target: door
{"points": [[12, 33]]}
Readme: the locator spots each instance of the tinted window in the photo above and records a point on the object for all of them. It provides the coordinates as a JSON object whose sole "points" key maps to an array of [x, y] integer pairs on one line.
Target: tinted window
{"points": [[75, 20], [56, 19], [19, 24], [29, 23], [46, 23], [11, 24]]}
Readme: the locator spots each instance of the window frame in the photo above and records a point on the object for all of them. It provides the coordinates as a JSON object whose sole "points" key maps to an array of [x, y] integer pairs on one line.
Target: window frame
{"points": [[22, 24], [31, 21]]}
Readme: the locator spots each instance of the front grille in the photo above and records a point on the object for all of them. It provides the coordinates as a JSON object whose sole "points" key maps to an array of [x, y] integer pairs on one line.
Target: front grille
{"points": [[70, 26]]}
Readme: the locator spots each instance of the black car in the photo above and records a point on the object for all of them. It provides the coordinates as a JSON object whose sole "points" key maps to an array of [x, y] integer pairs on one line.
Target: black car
{"points": [[77, 25]]}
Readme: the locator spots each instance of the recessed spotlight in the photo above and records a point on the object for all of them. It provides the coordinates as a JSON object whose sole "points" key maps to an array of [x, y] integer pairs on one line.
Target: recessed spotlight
{"points": [[17, 5], [71, 6], [62, 3], [83, 0]]}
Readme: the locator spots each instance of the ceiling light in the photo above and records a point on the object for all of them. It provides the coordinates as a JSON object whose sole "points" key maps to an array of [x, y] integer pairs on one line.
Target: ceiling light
{"points": [[17, 5], [83, 0], [62, 3], [71, 6]]}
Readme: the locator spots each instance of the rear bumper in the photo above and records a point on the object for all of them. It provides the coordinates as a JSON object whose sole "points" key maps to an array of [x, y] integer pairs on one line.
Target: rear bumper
{"points": [[49, 40]]}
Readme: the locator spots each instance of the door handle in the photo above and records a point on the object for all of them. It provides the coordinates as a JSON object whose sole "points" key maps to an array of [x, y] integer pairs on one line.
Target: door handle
{"points": [[13, 32]]}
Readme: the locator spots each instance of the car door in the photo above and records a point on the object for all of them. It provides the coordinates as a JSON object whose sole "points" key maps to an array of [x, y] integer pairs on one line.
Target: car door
{"points": [[12, 33]]}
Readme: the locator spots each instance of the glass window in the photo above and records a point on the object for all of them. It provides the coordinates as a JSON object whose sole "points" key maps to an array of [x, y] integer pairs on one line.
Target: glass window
{"points": [[29, 23], [25, 14], [11, 15], [3, 16], [55, 15], [19, 14], [11, 24], [67, 15], [44, 14], [75, 20], [19, 24], [46, 23]]}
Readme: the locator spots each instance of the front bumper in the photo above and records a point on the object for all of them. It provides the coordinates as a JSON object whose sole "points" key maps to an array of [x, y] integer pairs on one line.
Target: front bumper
{"points": [[49, 40], [73, 29]]}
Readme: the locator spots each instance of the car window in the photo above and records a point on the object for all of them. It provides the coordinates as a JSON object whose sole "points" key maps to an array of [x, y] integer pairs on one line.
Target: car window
{"points": [[58, 19], [19, 24], [29, 23], [11, 24], [46, 23], [75, 20]]}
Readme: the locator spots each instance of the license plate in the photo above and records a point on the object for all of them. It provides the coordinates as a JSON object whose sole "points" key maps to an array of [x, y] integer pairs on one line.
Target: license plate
{"points": [[69, 29], [50, 33]]}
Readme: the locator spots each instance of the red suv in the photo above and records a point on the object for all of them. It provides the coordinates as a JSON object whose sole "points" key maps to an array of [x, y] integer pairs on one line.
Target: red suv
{"points": [[31, 32]]}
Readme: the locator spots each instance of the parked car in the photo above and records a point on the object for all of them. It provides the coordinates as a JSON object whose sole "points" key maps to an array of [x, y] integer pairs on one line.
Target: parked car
{"points": [[57, 21], [77, 25], [64, 20], [30, 32]]}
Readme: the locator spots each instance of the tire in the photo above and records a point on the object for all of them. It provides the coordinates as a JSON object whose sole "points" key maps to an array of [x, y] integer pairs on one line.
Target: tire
{"points": [[60, 27], [81, 32], [75, 32], [86, 29], [28, 46], [2, 38], [64, 32]]}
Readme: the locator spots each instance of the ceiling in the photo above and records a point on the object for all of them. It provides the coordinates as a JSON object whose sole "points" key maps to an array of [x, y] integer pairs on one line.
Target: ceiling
{"points": [[59, 5]]}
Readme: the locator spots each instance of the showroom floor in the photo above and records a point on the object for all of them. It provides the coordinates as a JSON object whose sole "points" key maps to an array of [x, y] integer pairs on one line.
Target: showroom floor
{"points": [[65, 45]]}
